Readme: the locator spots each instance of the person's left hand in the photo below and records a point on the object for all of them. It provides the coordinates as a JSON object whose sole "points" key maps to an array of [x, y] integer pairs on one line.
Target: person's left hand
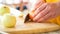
{"points": [[45, 12]]}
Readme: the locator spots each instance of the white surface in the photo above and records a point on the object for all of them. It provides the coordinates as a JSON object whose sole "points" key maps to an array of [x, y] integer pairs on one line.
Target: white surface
{"points": [[13, 1], [9, 1], [1, 1], [3, 32], [15, 12], [25, 0], [17, 1]]}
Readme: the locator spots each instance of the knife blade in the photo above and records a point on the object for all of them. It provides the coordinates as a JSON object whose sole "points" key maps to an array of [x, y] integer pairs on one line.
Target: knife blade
{"points": [[26, 18]]}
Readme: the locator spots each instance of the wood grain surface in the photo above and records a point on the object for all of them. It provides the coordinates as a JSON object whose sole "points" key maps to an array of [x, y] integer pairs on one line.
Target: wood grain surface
{"points": [[30, 27]]}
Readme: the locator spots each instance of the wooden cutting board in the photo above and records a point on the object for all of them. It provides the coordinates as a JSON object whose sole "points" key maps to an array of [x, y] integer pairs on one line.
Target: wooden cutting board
{"points": [[30, 27]]}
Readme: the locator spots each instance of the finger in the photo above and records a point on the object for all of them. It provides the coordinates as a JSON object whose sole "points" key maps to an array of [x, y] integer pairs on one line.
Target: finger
{"points": [[39, 9], [44, 17], [50, 15], [39, 3], [42, 13]]}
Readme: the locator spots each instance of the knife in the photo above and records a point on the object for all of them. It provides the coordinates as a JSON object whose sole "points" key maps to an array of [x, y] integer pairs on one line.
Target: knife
{"points": [[27, 19]]}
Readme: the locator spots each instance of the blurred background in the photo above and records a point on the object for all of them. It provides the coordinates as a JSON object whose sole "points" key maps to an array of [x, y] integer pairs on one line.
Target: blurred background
{"points": [[19, 4]]}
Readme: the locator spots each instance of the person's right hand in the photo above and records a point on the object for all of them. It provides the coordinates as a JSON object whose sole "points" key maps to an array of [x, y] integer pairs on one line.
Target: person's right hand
{"points": [[45, 11]]}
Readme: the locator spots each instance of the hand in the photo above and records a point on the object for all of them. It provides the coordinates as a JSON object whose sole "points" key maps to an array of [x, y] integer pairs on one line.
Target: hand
{"points": [[45, 12]]}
